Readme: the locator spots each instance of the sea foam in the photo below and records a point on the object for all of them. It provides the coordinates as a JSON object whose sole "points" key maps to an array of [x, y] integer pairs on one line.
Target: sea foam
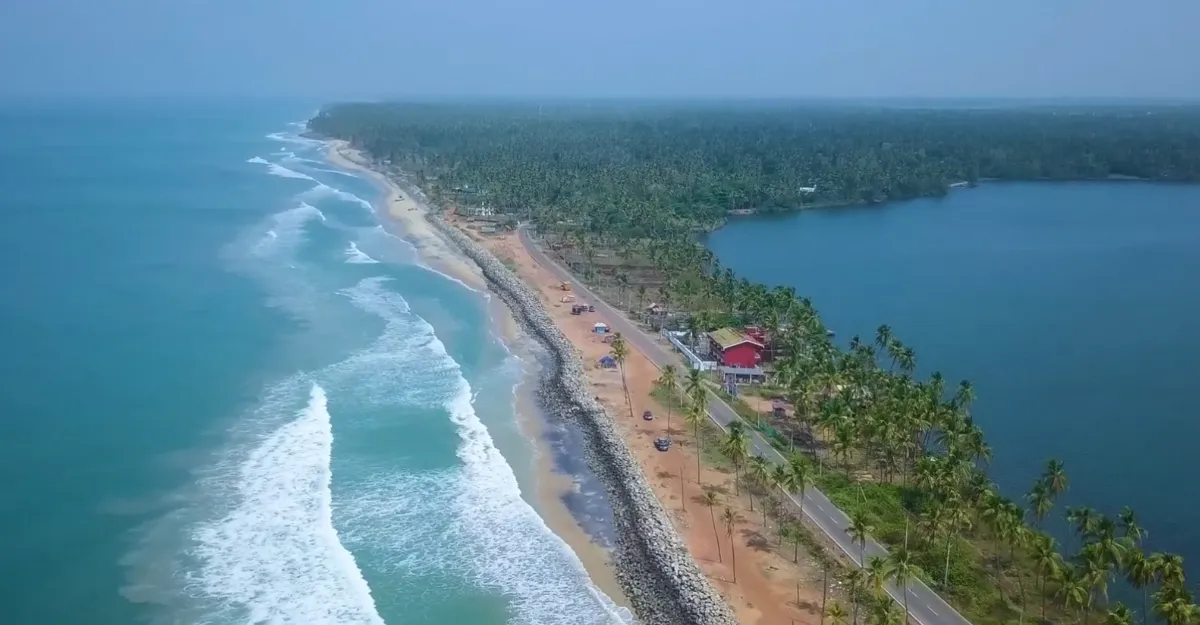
{"points": [[356, 256], [276, 556], [293, 138], [323, 190], [279, 170], [285, 229], [492, 536]]}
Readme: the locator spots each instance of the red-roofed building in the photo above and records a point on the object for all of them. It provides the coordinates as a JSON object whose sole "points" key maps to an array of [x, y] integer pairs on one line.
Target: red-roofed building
{"points": [[734, 349]]}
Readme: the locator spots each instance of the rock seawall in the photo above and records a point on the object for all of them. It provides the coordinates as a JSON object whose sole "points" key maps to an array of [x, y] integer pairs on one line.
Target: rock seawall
{"points": [[653, 566]]}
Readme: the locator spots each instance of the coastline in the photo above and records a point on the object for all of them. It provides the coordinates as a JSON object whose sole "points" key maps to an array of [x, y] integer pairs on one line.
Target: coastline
{"points": [[400, 209], [552, 487], [654, 566], [651, 561], [741, 213]]}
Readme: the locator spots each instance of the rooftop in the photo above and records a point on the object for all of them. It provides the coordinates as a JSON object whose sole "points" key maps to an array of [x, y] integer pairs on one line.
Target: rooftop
{"points": [[728, 337]]}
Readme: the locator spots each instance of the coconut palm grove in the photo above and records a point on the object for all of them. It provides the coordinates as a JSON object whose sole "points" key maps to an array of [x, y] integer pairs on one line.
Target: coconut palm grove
{"points": [[620, 194]]}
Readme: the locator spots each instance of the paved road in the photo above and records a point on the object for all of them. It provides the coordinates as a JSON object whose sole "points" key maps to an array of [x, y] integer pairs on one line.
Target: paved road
{"points": [[924, 606]]}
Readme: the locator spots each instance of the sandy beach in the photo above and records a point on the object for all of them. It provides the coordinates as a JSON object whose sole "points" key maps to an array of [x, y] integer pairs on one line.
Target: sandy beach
{"points": [[770, 588], [406, 213], [553, 486]]}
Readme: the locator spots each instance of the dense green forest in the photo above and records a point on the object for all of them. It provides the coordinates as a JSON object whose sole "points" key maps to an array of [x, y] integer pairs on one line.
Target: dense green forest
{"points": [[901, 455], [703, 161]]}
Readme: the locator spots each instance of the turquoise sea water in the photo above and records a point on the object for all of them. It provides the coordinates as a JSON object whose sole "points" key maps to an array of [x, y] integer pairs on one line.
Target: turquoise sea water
{"points": [[1071, 307], [230, 395]]}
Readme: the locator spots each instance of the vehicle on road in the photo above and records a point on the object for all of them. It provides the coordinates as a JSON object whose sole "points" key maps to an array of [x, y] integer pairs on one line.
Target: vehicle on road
{"points": [[648, 416], [662, 444]]}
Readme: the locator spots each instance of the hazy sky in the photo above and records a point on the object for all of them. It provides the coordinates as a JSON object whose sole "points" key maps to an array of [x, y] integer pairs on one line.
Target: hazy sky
{"points": [[657, 48]]}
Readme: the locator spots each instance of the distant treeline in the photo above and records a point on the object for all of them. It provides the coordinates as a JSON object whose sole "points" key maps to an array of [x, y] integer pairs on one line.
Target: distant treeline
{"points": [[700, 162]]}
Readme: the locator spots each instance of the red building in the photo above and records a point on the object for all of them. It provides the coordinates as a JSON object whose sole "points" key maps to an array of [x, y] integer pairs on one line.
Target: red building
{"points": [[735, 349]]}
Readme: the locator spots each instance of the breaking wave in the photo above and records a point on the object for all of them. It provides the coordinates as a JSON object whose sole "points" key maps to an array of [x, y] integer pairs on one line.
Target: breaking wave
{"points": [[356, 256], [492, 536], [276, 556], [324, 190], [280, 170]]}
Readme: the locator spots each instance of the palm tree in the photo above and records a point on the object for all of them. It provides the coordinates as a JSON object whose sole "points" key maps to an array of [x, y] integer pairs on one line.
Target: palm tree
{"points": [[836, 613], [782, 479], [879, 571], [1170, 568], [694, 415], [1055, 478], [1173, 604], [884, 613], [856, 579], [668, 381], [1075, 593], [1094, 571], [694, 384], [1119, 615], [1130, 528], [859, 529], [903, 569], [1111, 548], [824, 589], [1040, 500], [1140, 572], [963, 397], [1085, 521], [796, 537], [955, 519], [883, 337], [682, 493], [759, 470], [712, 500], [788, 532], [620, 352], [798, 478], [1049, 564], [730, 518], [736, 447]]}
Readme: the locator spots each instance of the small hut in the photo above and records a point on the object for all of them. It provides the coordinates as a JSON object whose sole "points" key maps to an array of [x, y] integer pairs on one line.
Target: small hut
{"points": [[608, 362], [600, 328]]}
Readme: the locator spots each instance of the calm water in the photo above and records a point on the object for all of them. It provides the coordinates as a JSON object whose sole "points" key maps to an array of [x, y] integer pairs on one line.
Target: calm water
{"points": [[1071, 307], [230, 396]]}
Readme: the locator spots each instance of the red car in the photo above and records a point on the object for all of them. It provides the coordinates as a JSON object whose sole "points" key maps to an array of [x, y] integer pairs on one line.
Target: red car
{"points": [[647, 416]]}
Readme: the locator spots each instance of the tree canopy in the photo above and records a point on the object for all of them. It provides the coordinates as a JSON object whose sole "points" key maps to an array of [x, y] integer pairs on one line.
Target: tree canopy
{"points": [[641, 179], [701, 161]]}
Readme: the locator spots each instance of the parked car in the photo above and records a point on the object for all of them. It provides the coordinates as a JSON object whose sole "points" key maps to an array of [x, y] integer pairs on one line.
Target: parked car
{"points": [[648, 416], [662, 444]]}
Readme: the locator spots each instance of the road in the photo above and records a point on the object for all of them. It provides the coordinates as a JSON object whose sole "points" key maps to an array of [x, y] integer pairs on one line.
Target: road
{"points": [[924, 605]]}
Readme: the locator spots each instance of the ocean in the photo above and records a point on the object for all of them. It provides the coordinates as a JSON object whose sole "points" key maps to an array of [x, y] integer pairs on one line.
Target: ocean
{"points": [[232, 394], [1069, 306]]}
